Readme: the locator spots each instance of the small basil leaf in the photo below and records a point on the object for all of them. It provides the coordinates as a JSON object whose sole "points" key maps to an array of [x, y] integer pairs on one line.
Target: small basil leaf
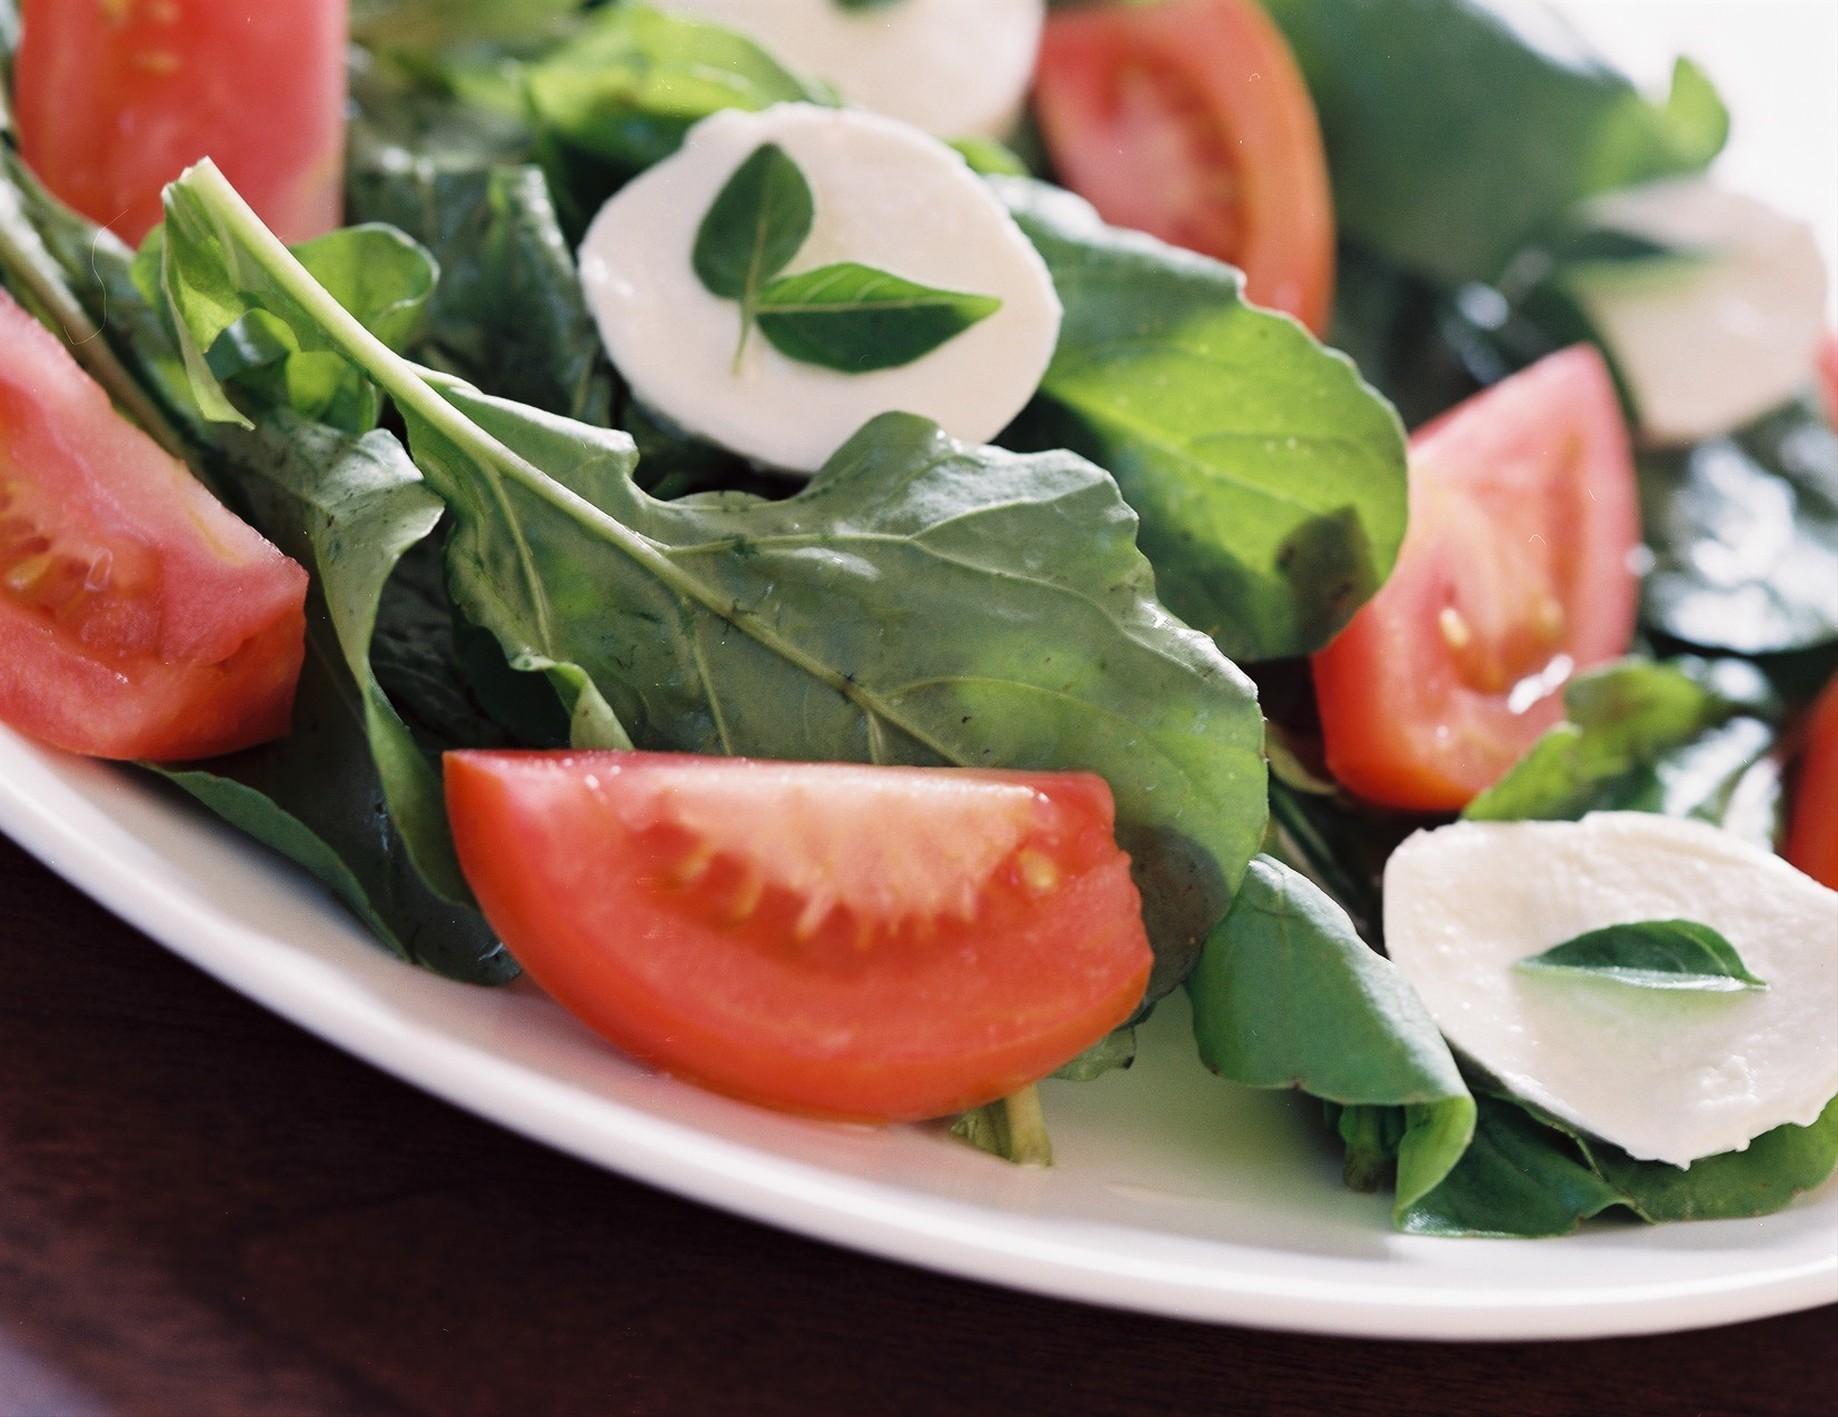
{"points": [[755, 226], [856, 319], [1651, 954]]}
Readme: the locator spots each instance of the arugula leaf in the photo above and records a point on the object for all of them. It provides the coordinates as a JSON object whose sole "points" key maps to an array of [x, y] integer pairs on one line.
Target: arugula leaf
{"points": [[1744, 534], [1651, 954], [435, 24], [1287, 995], [1113, 1052], [854, 318], [1268, 476], [1686, 738], [1014, 1129], [737, 625], [508, 314], [1485, 125]]}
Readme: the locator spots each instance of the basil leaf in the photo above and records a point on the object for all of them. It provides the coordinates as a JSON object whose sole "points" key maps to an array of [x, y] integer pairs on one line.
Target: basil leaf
{"points": [[1287, 995], [713, 624], [1485, 124], [1685, 738], [1268, 476], [855, 319], [1744, 534], [508, 314], [1651, 954], [757, 222]]}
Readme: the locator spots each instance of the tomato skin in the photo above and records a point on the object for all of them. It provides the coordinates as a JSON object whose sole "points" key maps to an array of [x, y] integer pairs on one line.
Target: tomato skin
{"points": [[1828, 377], [1190, 120], [1516, 571], [1812, 838], [895, 1024], [138, 617], [116, 97]]}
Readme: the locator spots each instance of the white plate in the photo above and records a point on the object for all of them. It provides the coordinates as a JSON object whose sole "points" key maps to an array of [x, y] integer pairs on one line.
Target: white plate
{"points": [[1174, 1193]]}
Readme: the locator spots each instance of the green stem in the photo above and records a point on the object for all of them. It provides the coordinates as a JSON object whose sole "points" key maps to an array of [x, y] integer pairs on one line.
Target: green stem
{"points": [[1028, 1142]]}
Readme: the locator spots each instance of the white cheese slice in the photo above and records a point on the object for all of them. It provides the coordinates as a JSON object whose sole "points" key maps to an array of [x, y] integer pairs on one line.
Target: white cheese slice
{"points": [[957, 68], [1712, 340], [885, 195], [1666, 1075]]}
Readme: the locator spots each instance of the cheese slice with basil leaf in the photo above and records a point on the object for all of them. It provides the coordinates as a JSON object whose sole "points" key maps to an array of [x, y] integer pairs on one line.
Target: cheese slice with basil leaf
{"points": [[956, 68], [791, 274], [1669, 1075]]}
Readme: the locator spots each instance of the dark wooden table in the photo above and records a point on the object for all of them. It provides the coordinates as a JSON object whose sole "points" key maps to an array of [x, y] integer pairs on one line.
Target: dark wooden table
{"points": [[205, 1211]]}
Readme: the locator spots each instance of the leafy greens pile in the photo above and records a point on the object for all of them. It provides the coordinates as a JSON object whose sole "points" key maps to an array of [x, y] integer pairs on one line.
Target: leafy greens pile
{"points": [[507, 550]]}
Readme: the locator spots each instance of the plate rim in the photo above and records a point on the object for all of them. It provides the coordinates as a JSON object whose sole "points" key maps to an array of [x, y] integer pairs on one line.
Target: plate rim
{"points": [[942, 1234]]}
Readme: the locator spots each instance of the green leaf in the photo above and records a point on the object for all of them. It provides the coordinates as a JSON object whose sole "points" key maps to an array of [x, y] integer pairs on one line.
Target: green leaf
{"points": [[1651, 954], [854, 318], [508, 314], [1777, 1166], [918, 602], [1744, 535], [1113, 1052], [435, 24], [757, 222], [1268, 476], [990, 158], [1485, 125], [1685, 738], [1286, 994], [1518, 1179]]}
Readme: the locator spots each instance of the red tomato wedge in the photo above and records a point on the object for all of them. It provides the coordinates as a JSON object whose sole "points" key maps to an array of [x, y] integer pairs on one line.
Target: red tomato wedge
{"points": [[1828, 377], [1190, 120], [1517, 571], [138, 618], [1812, 838], [114, 98], [873, 943]]}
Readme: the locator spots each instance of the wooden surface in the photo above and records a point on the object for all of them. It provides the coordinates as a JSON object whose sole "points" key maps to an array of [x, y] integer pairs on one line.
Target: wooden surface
{"points": [[205, 1211]]}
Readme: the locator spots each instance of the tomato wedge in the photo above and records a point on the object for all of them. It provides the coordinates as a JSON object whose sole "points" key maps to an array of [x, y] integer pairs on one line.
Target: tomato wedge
{"points": [[138, 618], [1517, 571], [1190, 120], [1812, 838], [873, 943], [114, 98], [1828, 377]]}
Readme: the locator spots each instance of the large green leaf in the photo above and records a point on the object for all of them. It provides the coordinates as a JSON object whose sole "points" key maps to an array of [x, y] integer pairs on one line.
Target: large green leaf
{"points": [[1685, 738], [920, 601], [1268, 476], [1286, 994], [1744, 534], [1459, 130]]}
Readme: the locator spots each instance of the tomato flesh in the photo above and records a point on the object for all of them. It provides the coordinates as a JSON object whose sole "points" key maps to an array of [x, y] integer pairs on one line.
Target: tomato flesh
{"points": [[1828, 377], [138, 618], [1190, 120], [116, 97], [1812, 838], [1516, 572], [874, 943]]}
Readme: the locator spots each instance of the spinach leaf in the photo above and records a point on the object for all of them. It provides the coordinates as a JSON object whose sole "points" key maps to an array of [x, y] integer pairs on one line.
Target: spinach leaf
{"points": [[508, 314], [1651, 954], [855, 319], [848, 317], [1685, 737], [1485, 124], [1287, 995], [1268, 476], [1744, 535], [757, 222], [916, 603]]}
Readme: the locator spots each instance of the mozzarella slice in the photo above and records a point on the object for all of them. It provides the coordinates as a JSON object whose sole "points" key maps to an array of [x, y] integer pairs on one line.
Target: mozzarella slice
{"points": [[885, 195], [1664, 1075], [1718, 337], [957, 68]]}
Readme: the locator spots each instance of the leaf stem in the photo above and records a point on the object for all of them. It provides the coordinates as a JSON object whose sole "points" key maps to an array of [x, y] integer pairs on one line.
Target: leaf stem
{"points": [[1028, 1142]]}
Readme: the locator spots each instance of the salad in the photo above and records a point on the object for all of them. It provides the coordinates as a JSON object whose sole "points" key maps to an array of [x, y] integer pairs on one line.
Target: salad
{"points": [[866, 543]]}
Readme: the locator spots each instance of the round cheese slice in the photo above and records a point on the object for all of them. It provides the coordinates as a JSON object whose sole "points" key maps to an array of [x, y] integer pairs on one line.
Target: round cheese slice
{"points": [[957, 68], [1667, 1075], [1720, 334], [884, 195]]}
